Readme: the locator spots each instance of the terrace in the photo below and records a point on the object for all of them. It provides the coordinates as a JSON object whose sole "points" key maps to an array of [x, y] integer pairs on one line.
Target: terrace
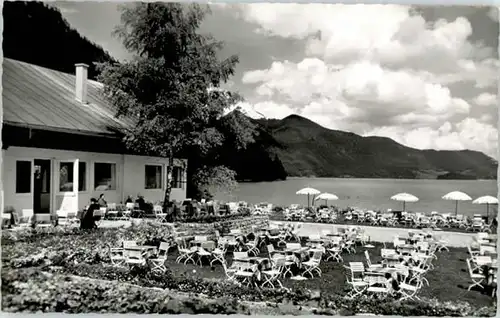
{"points": [[147, 255]]}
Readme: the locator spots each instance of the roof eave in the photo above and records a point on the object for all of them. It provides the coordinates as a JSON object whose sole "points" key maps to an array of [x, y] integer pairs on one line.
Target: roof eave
{"points": [[63, 130]]}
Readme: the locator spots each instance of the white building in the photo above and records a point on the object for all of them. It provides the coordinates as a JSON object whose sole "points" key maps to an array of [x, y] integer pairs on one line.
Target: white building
{"points": [[61, 146]]}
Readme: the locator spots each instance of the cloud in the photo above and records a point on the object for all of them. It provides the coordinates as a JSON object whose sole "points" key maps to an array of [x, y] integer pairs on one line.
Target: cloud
{"points": [[378, 69], [361, 91], [493, 14], [486, 99], [467, 134]]}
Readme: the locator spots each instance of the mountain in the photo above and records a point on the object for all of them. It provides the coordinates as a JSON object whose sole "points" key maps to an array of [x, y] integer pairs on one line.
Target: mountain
{"points": [[307, 149], [37, 33], [259, 161]]}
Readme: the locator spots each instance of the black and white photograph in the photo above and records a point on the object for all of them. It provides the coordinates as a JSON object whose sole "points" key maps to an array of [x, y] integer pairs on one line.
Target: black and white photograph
{"points": [[249, 158]]}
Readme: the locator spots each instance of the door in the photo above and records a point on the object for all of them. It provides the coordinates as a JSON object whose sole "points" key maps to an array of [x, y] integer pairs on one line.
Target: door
{"points": [[41, 186], [66, 198]]}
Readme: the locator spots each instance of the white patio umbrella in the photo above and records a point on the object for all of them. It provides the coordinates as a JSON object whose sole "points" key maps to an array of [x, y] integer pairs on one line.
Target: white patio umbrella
{"points": [[308, 192], [457, 196], [487, 199], [404, 197], [326, 196]]}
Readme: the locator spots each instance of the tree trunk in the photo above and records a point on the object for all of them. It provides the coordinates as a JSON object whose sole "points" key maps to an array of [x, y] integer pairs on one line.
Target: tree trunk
{"points": [[168, 189]]}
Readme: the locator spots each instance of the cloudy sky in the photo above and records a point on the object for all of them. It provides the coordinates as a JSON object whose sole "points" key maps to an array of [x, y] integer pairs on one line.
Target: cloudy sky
{"points": [[425, 76]]}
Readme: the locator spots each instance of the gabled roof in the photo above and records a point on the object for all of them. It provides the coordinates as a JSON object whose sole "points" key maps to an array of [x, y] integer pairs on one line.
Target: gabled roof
{"points": [[38, 97]]}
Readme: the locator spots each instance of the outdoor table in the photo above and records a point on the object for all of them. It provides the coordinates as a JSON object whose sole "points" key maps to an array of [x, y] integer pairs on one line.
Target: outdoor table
{"points": [[333, 235], [198, 242], [316, 241], [391, 260], [301, 254], [148, 250], [262, 262], [406, 249], [484, 249], [483, 260]]}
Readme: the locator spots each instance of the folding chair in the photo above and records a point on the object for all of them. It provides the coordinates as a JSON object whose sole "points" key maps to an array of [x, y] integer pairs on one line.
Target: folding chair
{"points": [[205, 251], [245, 273], [112, 212], [63, 220], [116, 255], [129, 208], [477, 279], [358, 285], [378, 285], [160, 216], [26, 218], [219, 255], [230, 272], [252, 247], [279, 238], [418, 273], [409, 291], [312, 265], [272, 276], [43, 222], [349, 246], [334, 253], [186, 254], [134, 258], [370, 266], [159, 262]]}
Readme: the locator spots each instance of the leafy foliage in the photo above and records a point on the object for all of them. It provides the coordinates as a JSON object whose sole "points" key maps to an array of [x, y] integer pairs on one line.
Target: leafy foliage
{"points": [[172, 88], [34, 291]]}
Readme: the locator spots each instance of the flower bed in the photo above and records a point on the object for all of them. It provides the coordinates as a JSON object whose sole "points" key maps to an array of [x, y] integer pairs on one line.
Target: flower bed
{"points": [[85, 254], [35, 291]]}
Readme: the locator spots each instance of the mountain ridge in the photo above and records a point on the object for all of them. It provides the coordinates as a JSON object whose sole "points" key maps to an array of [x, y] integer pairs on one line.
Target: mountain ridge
{"points": [[309, 149]]}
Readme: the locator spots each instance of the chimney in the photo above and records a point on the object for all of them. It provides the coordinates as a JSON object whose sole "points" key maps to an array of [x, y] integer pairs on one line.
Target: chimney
{"points": [[81, 82]]}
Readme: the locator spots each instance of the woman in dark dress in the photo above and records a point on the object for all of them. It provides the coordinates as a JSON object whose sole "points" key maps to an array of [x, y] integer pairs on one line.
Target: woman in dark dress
{"points": [[87, 221]]}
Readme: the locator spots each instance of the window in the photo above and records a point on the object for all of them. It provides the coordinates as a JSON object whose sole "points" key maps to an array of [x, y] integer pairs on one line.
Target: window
{"points": [[66, 177], [23, 176], [82, 176], [104, 176], [153, 177], [178, 176]]}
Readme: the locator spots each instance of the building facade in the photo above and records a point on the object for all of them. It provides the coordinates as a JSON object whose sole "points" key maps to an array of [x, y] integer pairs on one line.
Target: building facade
{"points": [[61, 146]]}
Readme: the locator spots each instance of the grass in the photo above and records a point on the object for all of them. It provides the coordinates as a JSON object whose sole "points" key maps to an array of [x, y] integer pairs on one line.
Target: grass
{"points": [[449, 279]]}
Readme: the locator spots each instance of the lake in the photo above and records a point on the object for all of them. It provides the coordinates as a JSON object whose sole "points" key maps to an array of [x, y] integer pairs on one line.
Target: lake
{"points": [[369, 193]]}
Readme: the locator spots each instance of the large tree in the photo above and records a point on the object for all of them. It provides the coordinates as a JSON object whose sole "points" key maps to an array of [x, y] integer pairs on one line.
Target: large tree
{"points": [[171, 90]]}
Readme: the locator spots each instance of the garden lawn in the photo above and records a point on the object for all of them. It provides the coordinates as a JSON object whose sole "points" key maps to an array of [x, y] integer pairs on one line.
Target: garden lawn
{"points": [[448, 281], [85, 254]]}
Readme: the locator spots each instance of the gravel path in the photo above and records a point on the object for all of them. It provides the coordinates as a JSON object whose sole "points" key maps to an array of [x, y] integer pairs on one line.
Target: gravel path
{"points": [[384, 234]]}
